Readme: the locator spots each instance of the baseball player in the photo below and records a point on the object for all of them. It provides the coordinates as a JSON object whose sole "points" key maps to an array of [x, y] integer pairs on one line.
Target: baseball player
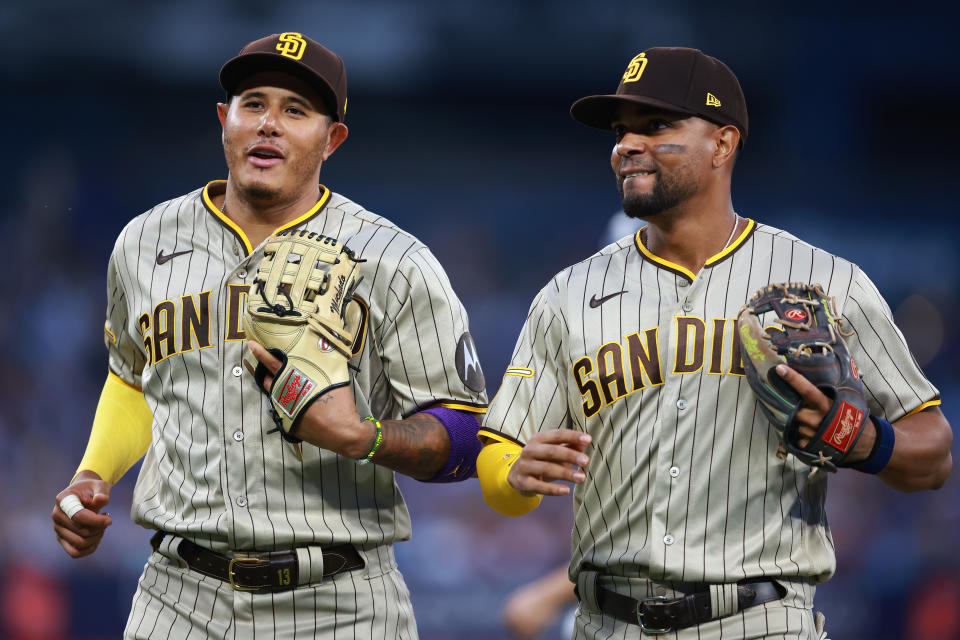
{"points": [[627, 381], [255, 538], [534, 606]]}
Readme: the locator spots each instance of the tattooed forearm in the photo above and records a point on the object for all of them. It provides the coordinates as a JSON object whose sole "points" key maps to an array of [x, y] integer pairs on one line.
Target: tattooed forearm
{"points": [[417, 446]]}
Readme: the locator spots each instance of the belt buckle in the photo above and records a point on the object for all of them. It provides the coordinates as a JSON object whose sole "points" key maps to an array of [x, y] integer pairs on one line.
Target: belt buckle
{"points": [[241, 559], [645, 629]]}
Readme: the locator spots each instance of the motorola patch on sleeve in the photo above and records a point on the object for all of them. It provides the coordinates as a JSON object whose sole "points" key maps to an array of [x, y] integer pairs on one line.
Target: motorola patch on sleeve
{"points": [[468, 365]]}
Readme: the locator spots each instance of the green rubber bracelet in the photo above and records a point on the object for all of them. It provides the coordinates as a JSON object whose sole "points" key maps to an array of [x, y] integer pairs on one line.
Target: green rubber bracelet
{"points": [[376, 443]]}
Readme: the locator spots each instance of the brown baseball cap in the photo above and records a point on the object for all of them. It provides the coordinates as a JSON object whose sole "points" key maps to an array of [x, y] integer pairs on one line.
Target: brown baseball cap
{"points": [[674, 79], [298, 55]]}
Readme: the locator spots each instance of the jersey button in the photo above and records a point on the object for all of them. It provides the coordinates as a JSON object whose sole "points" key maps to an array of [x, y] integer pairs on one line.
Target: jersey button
{"points": [[683, 283], [242, 275], [668, 539], [687, 307], [237, 371], [241, 501], [238, 436], [674, 472], [681, 404]]}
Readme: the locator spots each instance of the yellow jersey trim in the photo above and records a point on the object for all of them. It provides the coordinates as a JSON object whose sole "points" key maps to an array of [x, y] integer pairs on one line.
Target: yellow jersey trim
{"points": [[223, 218], [463, 407], [233, 226], [712, 260], [523, 372], [309, 214], [672, 266], [733, 245], [488, 436], [925, 405]]}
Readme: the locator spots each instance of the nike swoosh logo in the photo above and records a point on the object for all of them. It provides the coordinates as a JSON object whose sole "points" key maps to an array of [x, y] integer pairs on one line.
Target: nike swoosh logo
{"points": [[596, 302], [166, 258]]}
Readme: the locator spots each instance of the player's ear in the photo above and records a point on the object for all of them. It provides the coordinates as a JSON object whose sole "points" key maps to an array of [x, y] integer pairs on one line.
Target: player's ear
{"points": [[222, 109], [726, 139], [336, 134]]}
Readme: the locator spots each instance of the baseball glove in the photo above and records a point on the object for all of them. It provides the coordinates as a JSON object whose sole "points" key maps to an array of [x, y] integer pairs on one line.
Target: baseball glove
{"points": [[809, 339], [301, 309]]}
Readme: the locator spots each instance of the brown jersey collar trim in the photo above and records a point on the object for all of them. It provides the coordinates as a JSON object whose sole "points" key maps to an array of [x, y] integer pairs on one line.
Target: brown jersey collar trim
{"points": [[216, 187], [711, 261]]}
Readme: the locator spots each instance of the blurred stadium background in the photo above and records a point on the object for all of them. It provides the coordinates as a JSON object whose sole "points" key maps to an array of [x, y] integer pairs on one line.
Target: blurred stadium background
{"points": [[460, 134]]}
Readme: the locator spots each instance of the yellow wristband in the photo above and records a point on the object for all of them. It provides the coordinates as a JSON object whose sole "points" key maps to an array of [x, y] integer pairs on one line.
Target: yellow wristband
{"points": [[493, 467]]}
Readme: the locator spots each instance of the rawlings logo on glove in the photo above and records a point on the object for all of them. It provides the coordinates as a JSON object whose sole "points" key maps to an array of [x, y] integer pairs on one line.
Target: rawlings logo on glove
{"points": [[807, 336]]}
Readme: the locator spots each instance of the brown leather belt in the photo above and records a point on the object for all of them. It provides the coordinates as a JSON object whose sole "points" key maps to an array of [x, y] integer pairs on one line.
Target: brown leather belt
{"points": [[659, 614], [260, 572]]}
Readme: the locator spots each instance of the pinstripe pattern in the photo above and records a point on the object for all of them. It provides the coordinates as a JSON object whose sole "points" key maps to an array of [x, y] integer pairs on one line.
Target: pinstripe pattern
{"points": [[173, 602], [684, 485], [770, 621], [211, 473]]}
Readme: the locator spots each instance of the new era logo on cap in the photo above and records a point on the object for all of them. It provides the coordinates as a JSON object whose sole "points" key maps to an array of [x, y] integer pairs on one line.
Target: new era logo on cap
{"points": [[674, 79]]}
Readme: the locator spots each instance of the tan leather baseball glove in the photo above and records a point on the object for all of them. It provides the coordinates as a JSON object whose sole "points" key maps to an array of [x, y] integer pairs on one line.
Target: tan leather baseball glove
{"points": [[301, 309]]}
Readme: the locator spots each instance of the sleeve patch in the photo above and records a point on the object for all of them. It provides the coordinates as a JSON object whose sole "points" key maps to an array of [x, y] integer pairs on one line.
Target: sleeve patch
{"points": [[110, 335], [468, 365]]}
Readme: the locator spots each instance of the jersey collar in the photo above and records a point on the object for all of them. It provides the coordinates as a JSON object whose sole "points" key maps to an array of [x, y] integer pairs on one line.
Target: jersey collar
{"points": [[218, 187], [711, 261]]}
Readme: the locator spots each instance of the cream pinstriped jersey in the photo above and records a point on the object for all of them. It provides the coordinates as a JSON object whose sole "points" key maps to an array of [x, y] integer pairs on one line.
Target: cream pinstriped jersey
{"points": [[684, 483], [177, 286]]}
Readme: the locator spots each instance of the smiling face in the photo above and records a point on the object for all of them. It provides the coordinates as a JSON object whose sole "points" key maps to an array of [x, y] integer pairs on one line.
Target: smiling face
{"points": [[660, 159], [276, 134]]}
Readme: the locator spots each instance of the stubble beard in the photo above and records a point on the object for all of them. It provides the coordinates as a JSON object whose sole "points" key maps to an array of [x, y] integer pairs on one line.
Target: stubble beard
{"points": [[667, 194], [259, 193], [264, 194]]}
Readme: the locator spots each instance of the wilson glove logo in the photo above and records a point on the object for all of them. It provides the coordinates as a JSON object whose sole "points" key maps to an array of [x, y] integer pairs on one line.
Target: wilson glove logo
{"points": [[337, 303], [291, 45]]}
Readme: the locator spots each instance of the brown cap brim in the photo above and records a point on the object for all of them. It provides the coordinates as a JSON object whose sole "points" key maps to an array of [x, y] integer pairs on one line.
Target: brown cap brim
{"points": [[236, 70], [601, 111]]}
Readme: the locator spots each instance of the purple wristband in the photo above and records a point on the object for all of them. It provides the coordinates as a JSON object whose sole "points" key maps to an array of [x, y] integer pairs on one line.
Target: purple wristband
{"points": [[462, 429]]}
